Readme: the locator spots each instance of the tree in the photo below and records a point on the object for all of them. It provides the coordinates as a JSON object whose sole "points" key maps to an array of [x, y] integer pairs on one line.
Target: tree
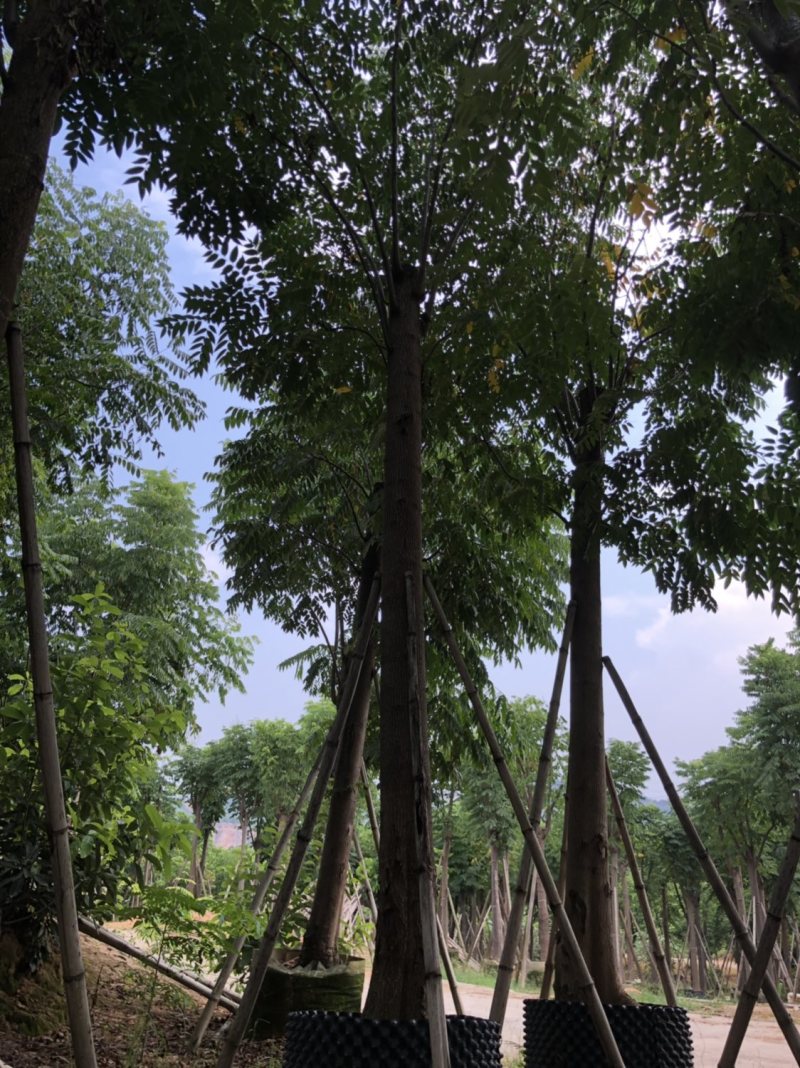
{"points": [[196, 776], [101, 381]]}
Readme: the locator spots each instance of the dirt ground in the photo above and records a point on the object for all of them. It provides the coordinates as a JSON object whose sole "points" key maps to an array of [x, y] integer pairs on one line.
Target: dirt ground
{"points": [[144, 1021]]}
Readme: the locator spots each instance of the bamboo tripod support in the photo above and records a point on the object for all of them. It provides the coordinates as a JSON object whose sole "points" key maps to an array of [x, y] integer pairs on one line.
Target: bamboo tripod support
{"points": [[780, 1011], [420, 762], [74, 976], [255, 907], [258, 970], [652, 933], [593, 1003], [749, 995], [505, 968]]}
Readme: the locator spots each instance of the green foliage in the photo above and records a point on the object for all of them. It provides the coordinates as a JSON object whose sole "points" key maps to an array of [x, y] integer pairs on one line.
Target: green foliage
{"points": [[101, 380], [109, 726]]}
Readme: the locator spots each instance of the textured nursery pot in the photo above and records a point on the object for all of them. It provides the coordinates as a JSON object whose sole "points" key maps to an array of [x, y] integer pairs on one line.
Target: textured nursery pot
{"points": [[560, 1034], [349, 1040], [287, 988]]}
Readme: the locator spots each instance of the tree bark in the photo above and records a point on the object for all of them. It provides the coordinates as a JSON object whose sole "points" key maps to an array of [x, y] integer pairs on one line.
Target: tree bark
{"points": [[588, 897], [321, 939], [444, 868], [398, 977], [498, 922], [40, 69]]}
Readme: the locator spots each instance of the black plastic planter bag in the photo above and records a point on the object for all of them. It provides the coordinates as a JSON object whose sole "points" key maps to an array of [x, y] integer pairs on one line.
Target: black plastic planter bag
{"points": [[560, 1034], [348, 1040]]}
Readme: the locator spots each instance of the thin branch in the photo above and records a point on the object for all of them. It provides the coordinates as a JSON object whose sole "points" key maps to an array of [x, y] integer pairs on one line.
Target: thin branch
{"points": [[396, 141], [321, 458], [354, 330], [600, 195], [361, 533], [302, 72]]}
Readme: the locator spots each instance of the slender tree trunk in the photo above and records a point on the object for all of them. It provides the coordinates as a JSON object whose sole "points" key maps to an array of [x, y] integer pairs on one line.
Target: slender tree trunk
{"points": [[588, 898], [321, 939], [444, 868], [194, 863], [695, 949], [665, 926], [40, 69], [57, 827], [613, 878], [741, 906], [498, 922], [398, 977], [628, 925]]}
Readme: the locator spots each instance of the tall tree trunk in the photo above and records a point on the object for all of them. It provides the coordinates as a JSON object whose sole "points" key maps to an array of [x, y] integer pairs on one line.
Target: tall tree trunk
{"points": [[194, 863], [697, 971], [741, 907], [628, 925], [398, 975], [498, 922], [588, 896], [321, 939], [545, 927], [40, 69]]}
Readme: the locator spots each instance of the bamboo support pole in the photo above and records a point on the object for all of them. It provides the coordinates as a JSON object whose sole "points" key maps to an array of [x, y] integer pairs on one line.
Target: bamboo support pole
{"points": [[589, 990], [72, 970], [480, 925], [505, 968], [255, 907], [229, 1000], [420, 763], [525, 941], [780, 1011], [749, 996], [650, 924], [373, 908], [550, 960], [261, 961], [456, 916]]}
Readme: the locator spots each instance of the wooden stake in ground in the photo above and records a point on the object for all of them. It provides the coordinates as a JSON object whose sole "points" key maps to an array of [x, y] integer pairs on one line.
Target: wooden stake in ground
{"points": [[550, 961], [749, 996], [780, 1011], [652, 934], [74, 977], [420, 763], [255, 906], [505, 968], [588, 989], [261, 961]]}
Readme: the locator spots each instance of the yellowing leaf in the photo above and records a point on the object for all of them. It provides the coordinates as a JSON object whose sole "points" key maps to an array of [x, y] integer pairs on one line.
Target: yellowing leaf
{"points": [[608, 263], [343, 389], [470, 326], [495, 351], [676, 36], [790, 184], [329, 85], [583, 65], [794, 251], [636, 207]]}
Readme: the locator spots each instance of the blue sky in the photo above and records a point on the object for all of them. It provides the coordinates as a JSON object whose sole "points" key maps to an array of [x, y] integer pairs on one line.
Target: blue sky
{"points": [[682, 671]]}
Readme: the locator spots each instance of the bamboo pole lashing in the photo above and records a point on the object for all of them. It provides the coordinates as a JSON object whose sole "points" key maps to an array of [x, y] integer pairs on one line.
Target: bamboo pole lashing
{"points": [[589, 990], [780, 1011]]}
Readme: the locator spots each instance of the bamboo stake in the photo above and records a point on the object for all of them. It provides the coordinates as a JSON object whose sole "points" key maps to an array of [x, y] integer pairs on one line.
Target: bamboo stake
{"points": [[550, 960], [777, 902], [524, 945], [255, 907], [420, 764], [505, 968], [638, 883], [373, 908], [74, 976], [228, 1001], [780, 1011], [456, 916], [589, 990], [481, 924], [261, 961], [372, 815]]}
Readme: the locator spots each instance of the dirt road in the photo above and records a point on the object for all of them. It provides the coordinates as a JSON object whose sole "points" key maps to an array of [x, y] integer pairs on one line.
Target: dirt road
{"points": [[764, 1046]]}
